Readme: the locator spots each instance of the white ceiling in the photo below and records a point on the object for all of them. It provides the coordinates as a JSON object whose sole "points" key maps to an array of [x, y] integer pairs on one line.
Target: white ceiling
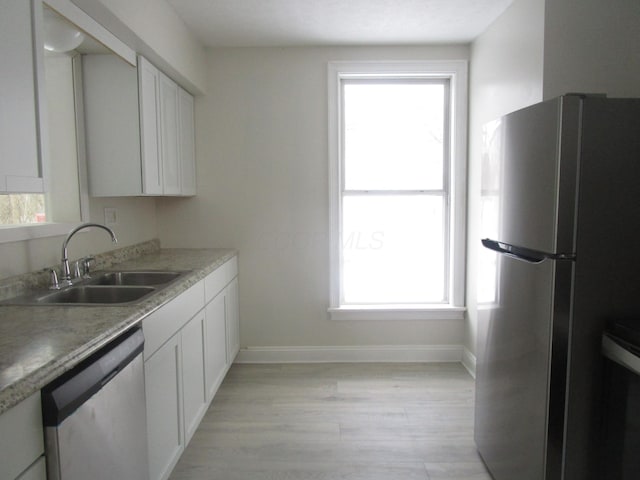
{"points": [[243, 23]]}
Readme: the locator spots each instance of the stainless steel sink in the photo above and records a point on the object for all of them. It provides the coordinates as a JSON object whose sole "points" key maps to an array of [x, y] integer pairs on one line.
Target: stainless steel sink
{"points": [[103, 288], [150, 278], [102, 294]]}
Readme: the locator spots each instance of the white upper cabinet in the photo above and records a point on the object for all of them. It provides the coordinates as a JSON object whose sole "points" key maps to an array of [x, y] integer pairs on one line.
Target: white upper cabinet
{"points": [[186, 131], [149, 103], [22, 62], [112, 126], [169, 136], [149, 91]]}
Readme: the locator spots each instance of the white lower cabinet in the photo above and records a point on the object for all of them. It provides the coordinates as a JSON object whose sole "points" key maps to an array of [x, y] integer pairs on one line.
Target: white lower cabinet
{"points": [[216, 358], [163, 388], [232, 318], [193, 371], [22, 441], [37, 471], [189, 345]]}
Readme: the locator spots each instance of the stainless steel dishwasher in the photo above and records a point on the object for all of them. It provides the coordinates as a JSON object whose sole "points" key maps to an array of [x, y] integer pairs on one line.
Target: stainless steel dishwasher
{"points": [[95, 416]]}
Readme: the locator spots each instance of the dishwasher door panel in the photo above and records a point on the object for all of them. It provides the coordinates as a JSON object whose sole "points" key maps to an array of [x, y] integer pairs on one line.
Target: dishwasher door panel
{"points": [[106, 437]]}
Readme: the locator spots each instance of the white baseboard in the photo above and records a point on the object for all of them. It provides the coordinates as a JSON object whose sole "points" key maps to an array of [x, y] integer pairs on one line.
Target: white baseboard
{"points": [[469, 361], [352, 354]]}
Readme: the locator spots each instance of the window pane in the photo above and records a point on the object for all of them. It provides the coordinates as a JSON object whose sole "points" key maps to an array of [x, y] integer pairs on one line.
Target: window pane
{"points": [[393, 136], [19, 209], [393, 249]]}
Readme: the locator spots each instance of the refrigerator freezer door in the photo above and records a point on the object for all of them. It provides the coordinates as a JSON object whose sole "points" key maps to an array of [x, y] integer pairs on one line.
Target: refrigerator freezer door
{"points": [[537, 168], [512, 383]]}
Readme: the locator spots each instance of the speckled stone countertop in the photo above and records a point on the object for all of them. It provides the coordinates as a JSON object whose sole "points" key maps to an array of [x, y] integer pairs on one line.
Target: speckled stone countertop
{"points": [[39, 343]]}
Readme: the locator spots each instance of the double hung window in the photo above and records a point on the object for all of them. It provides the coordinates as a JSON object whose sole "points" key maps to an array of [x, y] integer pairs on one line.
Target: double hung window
{"points": [[397, 157]]}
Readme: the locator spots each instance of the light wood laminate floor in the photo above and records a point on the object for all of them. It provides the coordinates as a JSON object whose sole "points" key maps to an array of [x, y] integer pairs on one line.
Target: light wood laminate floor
{"points": [[337, 421]]}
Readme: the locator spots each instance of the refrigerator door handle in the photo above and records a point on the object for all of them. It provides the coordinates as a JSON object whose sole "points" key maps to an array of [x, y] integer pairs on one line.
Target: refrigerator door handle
{"points": [[525, 254]]}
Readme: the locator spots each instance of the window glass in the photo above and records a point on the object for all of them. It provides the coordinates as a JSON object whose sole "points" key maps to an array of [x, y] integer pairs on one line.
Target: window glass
{"points": [[393, 135], [394, 209], [393, 249], [20, 209]]}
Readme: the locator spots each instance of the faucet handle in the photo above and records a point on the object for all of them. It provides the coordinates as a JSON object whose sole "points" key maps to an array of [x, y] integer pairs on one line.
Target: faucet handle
{"points": [[86, 266], [53, 280], [76, 270]]}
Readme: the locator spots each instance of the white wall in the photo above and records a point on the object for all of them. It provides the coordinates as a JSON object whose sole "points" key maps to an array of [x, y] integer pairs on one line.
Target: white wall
{"points": [[153, 29], [506, 74], [592, 46], [261, 141]]}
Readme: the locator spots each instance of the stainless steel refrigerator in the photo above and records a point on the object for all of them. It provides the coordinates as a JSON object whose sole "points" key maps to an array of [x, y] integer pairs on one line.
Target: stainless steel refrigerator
{"points": [[561, 227]]}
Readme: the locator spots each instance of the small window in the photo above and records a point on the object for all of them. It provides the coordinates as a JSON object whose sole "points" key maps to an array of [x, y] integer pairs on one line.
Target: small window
{"points": [[397, 190], [22, 209]]}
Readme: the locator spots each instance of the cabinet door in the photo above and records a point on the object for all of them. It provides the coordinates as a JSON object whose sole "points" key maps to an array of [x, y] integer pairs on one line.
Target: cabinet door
{"points": [[149, 94], [193, 361], [216, 344], [111, 100], [37, 471], [163, 388], [21, 438], [187, 143], [232, 320], [169, 136], [20, 169]]}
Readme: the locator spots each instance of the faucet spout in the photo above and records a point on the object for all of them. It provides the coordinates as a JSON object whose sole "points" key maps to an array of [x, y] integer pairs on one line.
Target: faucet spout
{"points": [[66, 273]]}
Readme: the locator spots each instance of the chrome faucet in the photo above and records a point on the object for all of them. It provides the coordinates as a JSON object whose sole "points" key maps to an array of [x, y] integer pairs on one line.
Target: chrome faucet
{"points": [[66, 273]]}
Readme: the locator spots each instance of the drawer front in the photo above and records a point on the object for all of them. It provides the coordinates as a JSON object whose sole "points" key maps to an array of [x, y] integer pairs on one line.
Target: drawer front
{"points": [[220, 278], [21, 437], [162, 324]]}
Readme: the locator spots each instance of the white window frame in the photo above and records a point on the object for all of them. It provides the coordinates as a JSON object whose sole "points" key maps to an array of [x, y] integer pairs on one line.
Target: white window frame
{"points": [[456, 71], [75, 15]]}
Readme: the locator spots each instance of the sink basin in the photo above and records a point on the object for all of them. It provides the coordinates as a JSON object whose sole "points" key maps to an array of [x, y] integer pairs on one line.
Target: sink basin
{"points": [[96, 294], [148, 278], [103, 288]]}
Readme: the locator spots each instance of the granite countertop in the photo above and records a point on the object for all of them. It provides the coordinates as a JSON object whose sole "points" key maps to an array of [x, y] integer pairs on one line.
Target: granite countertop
{"points": [[39, 343]]}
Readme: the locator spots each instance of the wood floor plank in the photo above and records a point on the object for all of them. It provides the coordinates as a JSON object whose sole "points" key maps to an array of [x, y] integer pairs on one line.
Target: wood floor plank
{"points": [[335, 422]]}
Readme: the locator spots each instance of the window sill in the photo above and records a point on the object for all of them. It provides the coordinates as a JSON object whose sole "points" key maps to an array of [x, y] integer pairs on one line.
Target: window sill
{"points": [[10, 233], [397, 312]]}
